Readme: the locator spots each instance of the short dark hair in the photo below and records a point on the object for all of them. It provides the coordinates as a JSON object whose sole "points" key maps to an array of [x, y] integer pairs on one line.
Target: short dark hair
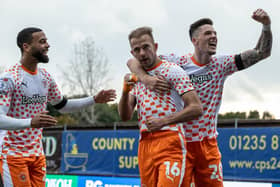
{"points": [[141, 31], [25, 36], [197, 24]]}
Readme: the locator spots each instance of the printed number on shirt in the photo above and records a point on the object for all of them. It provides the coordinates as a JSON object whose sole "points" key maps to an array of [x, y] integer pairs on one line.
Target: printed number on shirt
{"points": [[172, 170], [217, 171]]}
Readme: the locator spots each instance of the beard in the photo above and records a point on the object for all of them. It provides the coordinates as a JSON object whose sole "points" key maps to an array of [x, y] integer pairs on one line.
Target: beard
{"points": [[40, 57]]}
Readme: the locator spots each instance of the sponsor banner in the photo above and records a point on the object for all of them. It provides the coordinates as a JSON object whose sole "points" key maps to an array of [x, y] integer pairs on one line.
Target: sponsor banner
{"points": [[61, 181], [100, 152], [89, 181], [52, 148], [250, 153]]}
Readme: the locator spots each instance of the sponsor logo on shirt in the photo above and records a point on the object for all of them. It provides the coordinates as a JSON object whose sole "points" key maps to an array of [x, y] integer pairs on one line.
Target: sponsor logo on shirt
{"points": [[35, 99], [200, 78]]}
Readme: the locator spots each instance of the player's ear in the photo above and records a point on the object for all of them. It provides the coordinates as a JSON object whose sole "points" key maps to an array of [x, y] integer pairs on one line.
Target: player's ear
{"points": [[25, 47], [156, 46], [194, 40], [131, 51]]}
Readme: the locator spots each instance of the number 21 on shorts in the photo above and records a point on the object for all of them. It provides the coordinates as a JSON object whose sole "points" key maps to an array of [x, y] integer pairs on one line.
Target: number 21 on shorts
{"points": [[217, 171]]}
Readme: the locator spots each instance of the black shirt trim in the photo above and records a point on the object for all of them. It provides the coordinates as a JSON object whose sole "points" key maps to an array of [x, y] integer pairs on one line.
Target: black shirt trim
{"points": [[61, 104], [238, 62]]}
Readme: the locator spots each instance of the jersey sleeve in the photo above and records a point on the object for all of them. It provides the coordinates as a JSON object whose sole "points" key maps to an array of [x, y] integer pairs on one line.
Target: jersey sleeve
{"points": [[178, 78], [6, 93], [179, 60], [228, 64], [54, 94], [171, 58], [135, 90]]}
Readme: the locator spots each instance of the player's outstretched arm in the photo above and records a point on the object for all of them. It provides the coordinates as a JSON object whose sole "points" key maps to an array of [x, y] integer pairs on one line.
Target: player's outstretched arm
{"points": [[127, 101], [105, 96], [264, 45], [73, 105], [155, 83], [192, 110]]}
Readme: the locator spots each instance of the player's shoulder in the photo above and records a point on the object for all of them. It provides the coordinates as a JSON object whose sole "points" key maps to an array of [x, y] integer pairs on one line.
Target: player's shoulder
{"points": [[171, 67], [7, 83], [12, 69], [169, 64], [42, 69], [178, 59], [11, 73], [222, 58], [44, 72], [187, 58], [167, 56]]}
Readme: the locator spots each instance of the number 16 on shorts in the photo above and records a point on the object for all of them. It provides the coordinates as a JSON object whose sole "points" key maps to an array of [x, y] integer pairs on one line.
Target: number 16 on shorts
{"points": [[172, 171]]}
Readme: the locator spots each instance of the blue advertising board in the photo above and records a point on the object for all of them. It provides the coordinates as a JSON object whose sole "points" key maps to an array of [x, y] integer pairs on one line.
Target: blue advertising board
{"points": [[93, 181], [90, 181], [250, 153], [112, 153]]}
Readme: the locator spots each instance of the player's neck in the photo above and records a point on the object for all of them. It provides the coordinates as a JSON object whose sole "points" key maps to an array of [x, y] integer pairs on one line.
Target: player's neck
{"points": [[157, 62], [30, 63], [202, 58]]}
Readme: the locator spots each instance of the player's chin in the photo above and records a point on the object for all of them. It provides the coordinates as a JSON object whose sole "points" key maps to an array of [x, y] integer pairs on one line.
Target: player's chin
{"points": [[143, 62], [212, 52], [45, 59]]}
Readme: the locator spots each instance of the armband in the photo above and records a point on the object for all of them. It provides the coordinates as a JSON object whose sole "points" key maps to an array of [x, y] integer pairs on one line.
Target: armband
{"points": [[266, 27]]}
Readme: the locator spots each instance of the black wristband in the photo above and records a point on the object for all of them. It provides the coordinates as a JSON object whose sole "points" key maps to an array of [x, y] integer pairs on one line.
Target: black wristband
{"points": [[238, 62], [61, 104]]}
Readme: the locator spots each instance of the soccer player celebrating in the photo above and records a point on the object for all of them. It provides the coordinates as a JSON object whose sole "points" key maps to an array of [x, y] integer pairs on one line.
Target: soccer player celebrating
{"points": [[208, 73], [25, 90], [161, 153]]}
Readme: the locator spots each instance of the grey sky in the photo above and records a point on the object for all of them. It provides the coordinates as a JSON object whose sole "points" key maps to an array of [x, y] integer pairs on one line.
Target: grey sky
{"points": [[110, 21]]}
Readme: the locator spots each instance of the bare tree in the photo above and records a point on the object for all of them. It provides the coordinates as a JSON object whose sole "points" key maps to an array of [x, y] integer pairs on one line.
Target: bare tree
{"points": [[86, 74]]}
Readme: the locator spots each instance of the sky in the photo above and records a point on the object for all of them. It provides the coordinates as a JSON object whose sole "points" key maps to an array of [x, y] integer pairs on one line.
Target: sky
{"points": [[109, 22]]}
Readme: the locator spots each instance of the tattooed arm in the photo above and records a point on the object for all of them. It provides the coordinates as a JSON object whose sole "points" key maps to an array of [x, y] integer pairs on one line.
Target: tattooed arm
{"points": [[264, 45]]}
